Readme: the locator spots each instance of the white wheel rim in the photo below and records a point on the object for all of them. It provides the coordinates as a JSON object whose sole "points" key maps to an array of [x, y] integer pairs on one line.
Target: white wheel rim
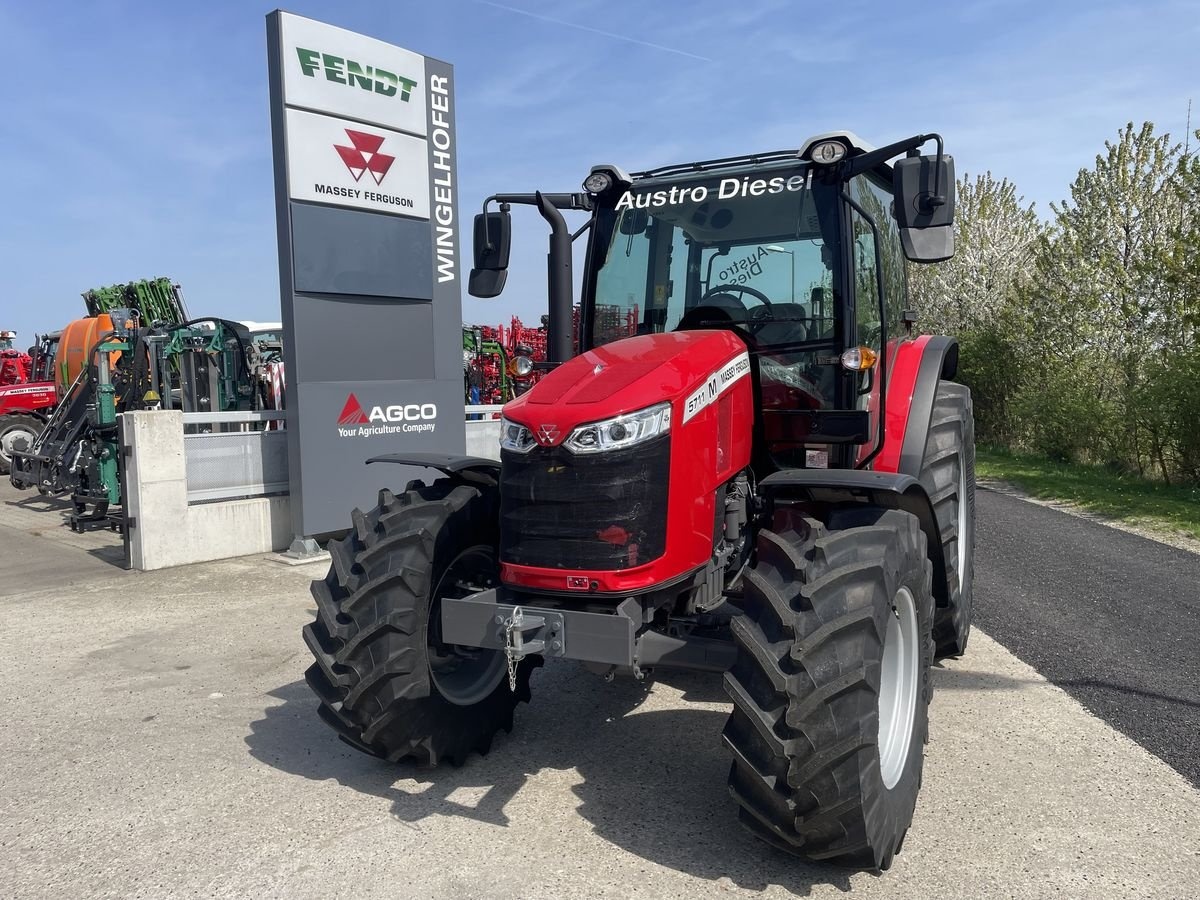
{"points": [[963, 514], [16, 437], [898, 688]]}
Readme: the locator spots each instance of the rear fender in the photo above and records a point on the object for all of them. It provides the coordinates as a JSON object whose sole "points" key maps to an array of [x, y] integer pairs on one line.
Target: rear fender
{"points": [[912, 387], [890, 490]]}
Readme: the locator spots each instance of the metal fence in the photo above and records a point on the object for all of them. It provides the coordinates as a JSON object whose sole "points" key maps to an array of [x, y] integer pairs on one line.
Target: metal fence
{"points": [[233, 455], [483, 431]]}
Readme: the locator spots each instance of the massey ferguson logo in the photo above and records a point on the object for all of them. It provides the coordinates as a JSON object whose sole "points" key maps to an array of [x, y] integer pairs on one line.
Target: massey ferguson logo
{"points": [[547, 434], [363, 155], [399, 418]]}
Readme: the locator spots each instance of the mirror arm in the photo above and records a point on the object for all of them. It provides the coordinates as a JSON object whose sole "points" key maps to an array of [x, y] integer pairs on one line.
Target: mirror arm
{"points": [[504, 207], [858, 164], [558, 201]]}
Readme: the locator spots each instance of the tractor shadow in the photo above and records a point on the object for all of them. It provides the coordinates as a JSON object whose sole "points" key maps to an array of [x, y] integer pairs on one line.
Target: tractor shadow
{"points": [[653, 782]]}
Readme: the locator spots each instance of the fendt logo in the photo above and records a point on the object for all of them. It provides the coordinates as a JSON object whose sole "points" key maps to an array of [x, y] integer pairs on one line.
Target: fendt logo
{"points": [[353, 74], [364, 155], [354, 421]]}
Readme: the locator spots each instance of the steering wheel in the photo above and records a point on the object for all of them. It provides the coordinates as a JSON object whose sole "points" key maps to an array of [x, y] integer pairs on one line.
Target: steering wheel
{"points": [[741, 288], [757, 317]]}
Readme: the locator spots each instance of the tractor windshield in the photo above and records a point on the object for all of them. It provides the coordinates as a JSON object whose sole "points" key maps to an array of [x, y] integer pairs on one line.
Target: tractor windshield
{"points": [[754, 247]]}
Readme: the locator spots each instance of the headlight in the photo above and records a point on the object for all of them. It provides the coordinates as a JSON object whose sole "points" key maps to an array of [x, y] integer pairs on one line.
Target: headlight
{"points": [[522, 366], [622, 431], [515, 437]]}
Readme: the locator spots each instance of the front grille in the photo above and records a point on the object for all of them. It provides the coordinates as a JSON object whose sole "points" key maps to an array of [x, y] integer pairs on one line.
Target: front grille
{"points": [[599, 511]]}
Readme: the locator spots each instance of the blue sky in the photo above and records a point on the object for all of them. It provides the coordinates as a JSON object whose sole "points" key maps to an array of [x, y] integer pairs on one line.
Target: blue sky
{"points": [[135, 139]]}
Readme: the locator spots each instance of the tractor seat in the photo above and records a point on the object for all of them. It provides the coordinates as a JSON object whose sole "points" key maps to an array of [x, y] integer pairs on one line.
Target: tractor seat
{"points": [[788, 325]]}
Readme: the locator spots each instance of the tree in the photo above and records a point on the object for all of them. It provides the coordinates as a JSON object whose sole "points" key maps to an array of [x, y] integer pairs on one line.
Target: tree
{"points": [[974, 295], [1179, 265], [1101, 304], [996, 237]]}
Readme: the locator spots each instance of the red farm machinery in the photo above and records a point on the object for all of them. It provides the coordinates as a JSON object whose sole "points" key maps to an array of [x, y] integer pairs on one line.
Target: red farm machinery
{"points": [[501, 363], [771, 479]]}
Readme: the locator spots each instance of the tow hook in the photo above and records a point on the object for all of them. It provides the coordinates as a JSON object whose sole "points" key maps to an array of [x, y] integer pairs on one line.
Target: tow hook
{"points": [[516, 648]]}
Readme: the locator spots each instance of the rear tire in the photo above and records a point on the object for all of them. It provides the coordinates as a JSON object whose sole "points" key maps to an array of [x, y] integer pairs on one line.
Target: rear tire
{"points": [[814, 773], [386, 683], [16, 433], [948, 475]]}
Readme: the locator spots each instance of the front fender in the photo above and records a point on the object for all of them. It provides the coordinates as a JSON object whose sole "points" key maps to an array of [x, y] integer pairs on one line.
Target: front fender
{"points": [[475, 469], [891, 490]]}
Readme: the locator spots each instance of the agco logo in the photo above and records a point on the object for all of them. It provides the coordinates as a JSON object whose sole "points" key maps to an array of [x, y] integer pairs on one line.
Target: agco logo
{"points": [[355, 421], [364, 155], [353, 74]]}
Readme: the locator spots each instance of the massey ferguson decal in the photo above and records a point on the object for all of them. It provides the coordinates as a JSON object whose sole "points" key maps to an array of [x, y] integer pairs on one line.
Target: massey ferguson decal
{"points": [[347, 164], [399, 418], [717, 383]]}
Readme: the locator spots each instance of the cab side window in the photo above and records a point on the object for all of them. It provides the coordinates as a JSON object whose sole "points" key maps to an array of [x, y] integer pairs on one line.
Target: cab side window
{"points": [[876, 198]]}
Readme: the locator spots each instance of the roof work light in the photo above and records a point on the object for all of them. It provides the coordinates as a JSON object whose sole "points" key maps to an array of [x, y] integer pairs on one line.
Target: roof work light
{"points": [[828, 152]]}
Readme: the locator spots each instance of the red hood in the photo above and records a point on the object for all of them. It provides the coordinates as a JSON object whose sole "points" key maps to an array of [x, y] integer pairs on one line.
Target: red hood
{"points": [[622, 377]]}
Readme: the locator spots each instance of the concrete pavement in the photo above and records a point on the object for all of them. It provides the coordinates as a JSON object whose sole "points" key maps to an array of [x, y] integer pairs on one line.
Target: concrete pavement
{"points": [[159, 741]]}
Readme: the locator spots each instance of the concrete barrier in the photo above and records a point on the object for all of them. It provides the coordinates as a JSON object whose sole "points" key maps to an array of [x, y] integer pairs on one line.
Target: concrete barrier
{"points": [[165, 530]]}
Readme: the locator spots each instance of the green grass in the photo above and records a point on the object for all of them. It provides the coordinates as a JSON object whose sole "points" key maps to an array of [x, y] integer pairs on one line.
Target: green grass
{"points": [[1152, 505]]}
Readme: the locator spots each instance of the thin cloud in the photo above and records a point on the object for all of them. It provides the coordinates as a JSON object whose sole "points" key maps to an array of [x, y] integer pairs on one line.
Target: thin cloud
{"points": [[589, 28]]}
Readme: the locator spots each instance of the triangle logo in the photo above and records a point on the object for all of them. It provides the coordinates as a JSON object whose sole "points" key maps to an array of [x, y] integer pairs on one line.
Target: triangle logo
{"points": [[352, 413], [364, 156]]}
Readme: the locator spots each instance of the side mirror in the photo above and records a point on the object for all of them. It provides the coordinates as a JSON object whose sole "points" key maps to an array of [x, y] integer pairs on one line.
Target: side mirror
{"points": [[924, 192], [493, 237]]}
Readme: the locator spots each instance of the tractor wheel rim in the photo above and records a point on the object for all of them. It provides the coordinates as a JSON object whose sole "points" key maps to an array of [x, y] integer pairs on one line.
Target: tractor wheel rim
{"points": [[18, 438], [898, 688], [963, 518], [463, 675]]}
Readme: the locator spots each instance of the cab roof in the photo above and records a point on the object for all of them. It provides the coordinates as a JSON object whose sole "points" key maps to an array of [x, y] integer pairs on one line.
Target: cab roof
{"points": [[856, 145]]}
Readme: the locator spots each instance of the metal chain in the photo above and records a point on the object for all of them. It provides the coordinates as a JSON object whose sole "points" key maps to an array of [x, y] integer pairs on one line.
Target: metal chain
{"points": [[513, 670], [510, 648]]}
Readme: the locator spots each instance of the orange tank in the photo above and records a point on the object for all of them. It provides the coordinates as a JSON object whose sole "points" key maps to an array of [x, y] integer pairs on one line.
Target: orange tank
{"points": [[76, 343]]}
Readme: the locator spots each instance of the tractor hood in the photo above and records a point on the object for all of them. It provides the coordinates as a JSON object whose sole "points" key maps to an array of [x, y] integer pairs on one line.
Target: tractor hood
{"points": [[624, 377]]}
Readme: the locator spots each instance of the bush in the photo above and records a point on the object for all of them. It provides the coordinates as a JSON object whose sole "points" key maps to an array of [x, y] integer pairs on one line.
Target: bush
{"points": [[1061, 413], [1168, 402], [989, 363]]}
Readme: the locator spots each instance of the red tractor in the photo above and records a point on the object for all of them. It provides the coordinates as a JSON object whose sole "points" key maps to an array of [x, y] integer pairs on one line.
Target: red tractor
{"points": [[772, 479], [28, 394]]}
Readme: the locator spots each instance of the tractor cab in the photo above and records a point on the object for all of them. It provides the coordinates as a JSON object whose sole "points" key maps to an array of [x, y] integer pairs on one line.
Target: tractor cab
{"points": [[801, 254]]}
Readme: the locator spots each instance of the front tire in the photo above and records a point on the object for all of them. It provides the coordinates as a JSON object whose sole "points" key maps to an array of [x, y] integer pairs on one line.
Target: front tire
{"points": [[831, 686], [386, 683]]}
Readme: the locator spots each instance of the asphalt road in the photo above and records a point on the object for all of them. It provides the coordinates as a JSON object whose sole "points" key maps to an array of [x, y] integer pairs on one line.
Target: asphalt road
{"points": [[1110, 617]]}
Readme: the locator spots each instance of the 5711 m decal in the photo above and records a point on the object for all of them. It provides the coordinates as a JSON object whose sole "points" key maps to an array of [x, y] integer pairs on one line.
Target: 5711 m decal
{"points": [[717, 384]]}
